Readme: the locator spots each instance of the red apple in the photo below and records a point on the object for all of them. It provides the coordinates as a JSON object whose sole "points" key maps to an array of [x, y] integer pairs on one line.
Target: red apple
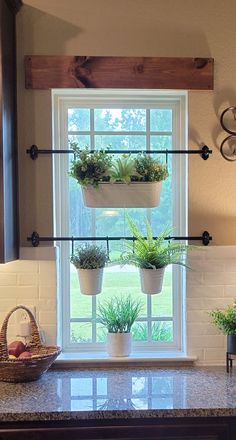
{"points": [[16, 348], [25, 354]]}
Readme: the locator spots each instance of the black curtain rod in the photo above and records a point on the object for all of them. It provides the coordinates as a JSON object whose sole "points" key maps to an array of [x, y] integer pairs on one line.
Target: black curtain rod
{"points": [[35, 238], [34, 151]]}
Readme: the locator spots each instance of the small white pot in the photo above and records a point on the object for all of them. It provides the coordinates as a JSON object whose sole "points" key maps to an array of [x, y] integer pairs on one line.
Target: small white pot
{"points": [[119, 344], [90, 281], [123, 195], [151, 280]]}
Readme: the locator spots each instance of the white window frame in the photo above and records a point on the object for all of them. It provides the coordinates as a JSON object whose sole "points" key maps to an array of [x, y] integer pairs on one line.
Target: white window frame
{"points": [[64, 99]]}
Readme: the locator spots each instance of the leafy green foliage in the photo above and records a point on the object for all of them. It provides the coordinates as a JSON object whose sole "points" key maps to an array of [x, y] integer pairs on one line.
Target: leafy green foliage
{"points": [[119, 314], [161, 331], [152, 253], [90, 168], [225, 320], [89, 257], [150, 169]]}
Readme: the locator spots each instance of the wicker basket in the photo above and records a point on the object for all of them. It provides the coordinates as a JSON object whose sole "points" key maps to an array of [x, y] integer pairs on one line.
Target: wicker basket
{"points": [[25, 369]]}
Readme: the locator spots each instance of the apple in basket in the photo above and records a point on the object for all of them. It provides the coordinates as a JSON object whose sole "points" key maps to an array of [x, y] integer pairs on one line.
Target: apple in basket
{"points": [[15, 348], [25, 354]]}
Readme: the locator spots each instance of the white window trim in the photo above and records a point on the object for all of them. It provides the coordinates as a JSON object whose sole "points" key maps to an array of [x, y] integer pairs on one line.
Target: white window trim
{"points": [[67, 98]]}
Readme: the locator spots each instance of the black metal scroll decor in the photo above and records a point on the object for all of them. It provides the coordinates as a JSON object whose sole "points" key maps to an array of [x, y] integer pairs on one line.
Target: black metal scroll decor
{"points": [[228, 145]]}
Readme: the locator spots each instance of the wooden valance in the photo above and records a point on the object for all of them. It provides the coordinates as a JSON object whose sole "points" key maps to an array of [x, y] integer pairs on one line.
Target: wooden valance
{"points": [[46, 72]]}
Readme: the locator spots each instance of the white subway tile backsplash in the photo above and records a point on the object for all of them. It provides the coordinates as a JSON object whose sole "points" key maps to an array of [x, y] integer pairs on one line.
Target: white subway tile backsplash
{"points": [[213, 341], [8, 279], [202, 292], [230, 291], [27, 279], [215, 354]]}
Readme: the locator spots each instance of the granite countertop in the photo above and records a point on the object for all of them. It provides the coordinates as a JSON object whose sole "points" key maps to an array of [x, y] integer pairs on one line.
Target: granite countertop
{"points": [[80, 394]]}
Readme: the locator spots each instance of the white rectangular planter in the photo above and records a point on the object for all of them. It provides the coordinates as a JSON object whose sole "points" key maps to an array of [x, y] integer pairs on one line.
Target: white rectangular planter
{"points": [[123, 195]]}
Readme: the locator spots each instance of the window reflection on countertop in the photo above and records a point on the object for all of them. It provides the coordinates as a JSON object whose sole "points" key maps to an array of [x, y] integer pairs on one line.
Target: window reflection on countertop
{"points": [[103, 393]]}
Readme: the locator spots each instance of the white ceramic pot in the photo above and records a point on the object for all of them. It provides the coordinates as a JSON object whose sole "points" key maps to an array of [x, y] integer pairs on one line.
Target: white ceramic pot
{"points": [[122, 195], [90, 281], [119, 344], [151, 280]]}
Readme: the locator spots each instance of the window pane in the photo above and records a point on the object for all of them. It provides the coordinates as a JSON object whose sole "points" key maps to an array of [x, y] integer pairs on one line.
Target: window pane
{"points": [[120, 142], [161, 120], [80, 216], [80, 305], [162, 331], [160, 142], [140, 331], [120, 119], [162, 303], [81, 332], [78, 119], [82, 141], [122, 281], [101, 333]]}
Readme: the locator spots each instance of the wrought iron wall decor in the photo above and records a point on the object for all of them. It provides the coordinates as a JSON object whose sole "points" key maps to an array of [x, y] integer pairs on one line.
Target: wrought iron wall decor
{"points": [[231, 155]]}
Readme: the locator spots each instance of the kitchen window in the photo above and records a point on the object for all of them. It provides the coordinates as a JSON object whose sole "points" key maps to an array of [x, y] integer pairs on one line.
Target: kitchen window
{"points": [[119, 119]]}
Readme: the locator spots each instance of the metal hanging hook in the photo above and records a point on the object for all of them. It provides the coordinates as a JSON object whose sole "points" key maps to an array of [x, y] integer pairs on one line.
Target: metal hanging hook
{"points": [[108, 249]]}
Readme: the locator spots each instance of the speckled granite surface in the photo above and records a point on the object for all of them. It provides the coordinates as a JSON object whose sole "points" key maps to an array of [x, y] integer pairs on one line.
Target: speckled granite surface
{"points": [[119, 393]]}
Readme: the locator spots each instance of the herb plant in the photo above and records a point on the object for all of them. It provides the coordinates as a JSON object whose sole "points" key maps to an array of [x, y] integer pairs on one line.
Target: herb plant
{"points": [[225, 320], [90, 168], [152, 253], [119, 314], [89, 257], [150, 169]]}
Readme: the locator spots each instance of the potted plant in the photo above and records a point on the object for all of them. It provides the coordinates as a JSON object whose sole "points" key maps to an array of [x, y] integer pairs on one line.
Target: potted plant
{"points": [[118, 316], [90, 261], [152, 255], [118, 182], [225, 320]]}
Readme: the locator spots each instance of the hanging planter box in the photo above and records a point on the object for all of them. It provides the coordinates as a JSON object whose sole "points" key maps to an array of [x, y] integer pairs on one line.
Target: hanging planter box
{"points": [[119, 344], [90, 281], [151, 280], [122, 195]]}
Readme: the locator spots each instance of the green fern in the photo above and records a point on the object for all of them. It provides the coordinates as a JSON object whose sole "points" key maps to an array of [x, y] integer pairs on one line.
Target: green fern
{"points": [[152, 253]]}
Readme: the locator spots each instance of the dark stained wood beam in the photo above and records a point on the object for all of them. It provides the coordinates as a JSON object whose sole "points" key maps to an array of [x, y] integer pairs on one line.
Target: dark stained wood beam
{"points": [[46, 72]]}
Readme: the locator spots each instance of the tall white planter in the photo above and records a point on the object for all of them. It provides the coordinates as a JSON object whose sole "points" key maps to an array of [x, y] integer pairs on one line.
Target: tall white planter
{"points": [[123, 195], [151, 280], [119, 344], [90, 281]]}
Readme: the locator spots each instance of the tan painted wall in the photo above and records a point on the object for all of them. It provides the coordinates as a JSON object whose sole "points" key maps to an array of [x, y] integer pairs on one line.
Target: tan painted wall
{"points": [[133, 28]]}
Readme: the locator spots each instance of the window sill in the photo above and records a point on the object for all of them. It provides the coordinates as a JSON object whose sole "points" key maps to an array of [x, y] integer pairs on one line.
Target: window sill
{"points": [[136, 359]]}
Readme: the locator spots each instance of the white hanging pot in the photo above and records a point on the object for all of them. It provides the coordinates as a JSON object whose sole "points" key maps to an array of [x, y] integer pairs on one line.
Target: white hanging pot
{"points": [[123, 195], [151, 280], [90, 281], [119, 344]]}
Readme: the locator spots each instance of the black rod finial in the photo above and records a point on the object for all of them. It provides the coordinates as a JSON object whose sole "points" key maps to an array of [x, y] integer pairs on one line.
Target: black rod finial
{"points": [[206, 238], [35, 239], [33, 152], [205, 152]]}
